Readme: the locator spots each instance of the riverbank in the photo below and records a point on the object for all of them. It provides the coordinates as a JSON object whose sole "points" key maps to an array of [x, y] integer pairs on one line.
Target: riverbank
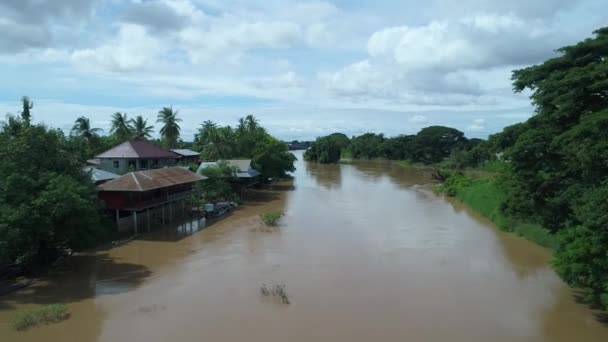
{"points": [[482, 193]]}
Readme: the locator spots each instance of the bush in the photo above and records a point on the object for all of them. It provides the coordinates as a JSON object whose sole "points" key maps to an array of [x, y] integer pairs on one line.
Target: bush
{"points": [[47, 314], [277, 290], [271, 218]]}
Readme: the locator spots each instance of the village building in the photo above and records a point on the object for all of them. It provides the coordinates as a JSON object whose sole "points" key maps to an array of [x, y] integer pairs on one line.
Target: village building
{"points": [[135, 156], [188, 156], [99, 176], [142, 197]]}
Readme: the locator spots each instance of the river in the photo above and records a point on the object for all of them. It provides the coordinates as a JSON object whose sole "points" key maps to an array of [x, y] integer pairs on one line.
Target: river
{"points": [[365, 251]]}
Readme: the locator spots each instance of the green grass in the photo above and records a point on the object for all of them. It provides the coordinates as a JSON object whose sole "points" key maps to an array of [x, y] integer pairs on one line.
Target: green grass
{"points": [[271, 218], [485, 197], [47, 314]]}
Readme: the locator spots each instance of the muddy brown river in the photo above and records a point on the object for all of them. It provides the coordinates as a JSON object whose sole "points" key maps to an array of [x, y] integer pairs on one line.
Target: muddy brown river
{"points": [[365, 251]]}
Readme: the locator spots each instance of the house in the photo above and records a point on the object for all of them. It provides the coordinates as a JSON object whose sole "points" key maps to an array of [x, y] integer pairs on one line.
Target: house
{"points": [[148, 192], [99, 176], [243, 168], [134, 156], [188, 156]]}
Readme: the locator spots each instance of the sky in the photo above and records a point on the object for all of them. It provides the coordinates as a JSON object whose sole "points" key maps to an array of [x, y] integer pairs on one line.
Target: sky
{"points": [[303, 68]]}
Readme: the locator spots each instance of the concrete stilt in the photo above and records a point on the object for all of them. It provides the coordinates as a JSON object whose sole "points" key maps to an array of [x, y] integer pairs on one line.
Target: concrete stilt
{"points": [[135, 221]]}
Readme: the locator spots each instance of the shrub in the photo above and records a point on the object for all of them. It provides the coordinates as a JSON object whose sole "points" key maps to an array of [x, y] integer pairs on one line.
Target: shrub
{"points": [[47, 314], [271, 218], [278, 290]]}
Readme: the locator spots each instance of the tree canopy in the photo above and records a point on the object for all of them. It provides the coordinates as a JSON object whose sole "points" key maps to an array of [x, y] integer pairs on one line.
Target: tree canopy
{"points": [[47, 203], [171, 130]]}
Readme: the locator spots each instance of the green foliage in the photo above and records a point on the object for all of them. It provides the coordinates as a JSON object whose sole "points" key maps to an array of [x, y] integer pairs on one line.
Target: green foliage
{"points": [[121, 127], [47, 203], [171, 130], [47, 314], [271, 218], [327, 149], [269, 156], [140, 129], [26, 115], [82, 128], [217, 185], [272, 158], [435, 143], [367, 146]]}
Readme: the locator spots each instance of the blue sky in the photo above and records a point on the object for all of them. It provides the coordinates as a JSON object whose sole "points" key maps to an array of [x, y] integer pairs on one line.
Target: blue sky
{"points": [[304, 68]]}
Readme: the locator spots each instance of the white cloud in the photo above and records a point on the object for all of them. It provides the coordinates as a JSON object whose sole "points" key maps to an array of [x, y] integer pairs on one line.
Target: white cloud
{"points": [[132, 49], [418, 119], [477, 125]]}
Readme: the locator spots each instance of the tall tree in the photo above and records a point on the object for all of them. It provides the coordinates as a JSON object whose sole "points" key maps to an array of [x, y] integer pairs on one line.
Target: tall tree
{"points": [[26, 115], [141, 130], [82, 128], [121, 126], [170, 130]]}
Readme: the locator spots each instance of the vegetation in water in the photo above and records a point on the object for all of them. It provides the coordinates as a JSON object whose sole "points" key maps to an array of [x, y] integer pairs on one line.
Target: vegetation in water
{"points": [[271, 219], [47, 314], [277, 290], [217, 186]]}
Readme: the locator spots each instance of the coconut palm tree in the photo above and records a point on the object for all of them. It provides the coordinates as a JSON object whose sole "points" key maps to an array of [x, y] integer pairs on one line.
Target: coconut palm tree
{"points": [[82, 128], [170, 130], [141, 130], [121, 126]]}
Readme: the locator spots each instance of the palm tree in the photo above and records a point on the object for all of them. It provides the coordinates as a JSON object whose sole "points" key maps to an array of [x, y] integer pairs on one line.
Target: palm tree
{"points": [[141, 130], [82, 128], [170, 130], [26, 115], [121, 126]]}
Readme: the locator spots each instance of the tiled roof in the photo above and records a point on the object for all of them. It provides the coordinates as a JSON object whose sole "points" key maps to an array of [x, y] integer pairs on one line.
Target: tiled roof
{"points": [[186, 152], [138, 149], [151, 179]]}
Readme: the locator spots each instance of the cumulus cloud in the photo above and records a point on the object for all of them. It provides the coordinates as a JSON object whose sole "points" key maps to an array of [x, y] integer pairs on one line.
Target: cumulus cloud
{"points": [[157, 15], [132, 49], [26, 24]]}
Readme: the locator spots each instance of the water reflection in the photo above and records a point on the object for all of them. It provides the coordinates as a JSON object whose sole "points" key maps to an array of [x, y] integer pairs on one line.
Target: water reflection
{"points": [[328, 176]]}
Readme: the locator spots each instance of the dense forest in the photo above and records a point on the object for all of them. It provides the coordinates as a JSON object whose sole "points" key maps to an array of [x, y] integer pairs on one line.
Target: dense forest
{"points": [[551, 170], [48, 204]]}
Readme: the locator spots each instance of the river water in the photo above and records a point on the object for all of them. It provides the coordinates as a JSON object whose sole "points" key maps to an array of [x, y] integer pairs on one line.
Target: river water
{"points": [[365, 251]]}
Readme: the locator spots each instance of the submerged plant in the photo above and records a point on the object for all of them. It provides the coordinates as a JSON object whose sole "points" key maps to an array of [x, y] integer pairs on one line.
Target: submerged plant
{"points": [[47, 314], [271, 218], [277, 290]]}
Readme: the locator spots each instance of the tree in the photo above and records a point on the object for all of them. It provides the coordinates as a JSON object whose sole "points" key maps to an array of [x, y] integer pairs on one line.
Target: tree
{"points": [[141, 130], [26, 115], [559, 174], [47, 204], [327, 149], [217, 185], [82, 128], [121, 126], [435, 143], [272, 158], [170, 130]]}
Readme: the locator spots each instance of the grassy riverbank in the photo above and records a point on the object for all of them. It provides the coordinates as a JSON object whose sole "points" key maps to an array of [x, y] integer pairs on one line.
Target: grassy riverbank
{"points": [[483, 194]]}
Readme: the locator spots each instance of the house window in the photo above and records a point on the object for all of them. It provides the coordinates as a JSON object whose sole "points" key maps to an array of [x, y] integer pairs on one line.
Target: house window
{"points": [[132, 165], [116, 164], [143, 164]]}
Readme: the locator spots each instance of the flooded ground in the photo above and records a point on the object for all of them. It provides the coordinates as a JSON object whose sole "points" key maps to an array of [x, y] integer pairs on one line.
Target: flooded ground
{"points": [[365, 252]]}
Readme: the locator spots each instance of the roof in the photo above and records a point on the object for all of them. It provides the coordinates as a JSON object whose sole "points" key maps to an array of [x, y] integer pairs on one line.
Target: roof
{"points": [[243, 166], [186, 152], [151, 179], [98, 175], [93, 162], [138, 149]]}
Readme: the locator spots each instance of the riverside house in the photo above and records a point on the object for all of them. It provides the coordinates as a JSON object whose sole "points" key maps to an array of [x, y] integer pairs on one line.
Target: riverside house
{"points": [[135, 156], [149, 196]]}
